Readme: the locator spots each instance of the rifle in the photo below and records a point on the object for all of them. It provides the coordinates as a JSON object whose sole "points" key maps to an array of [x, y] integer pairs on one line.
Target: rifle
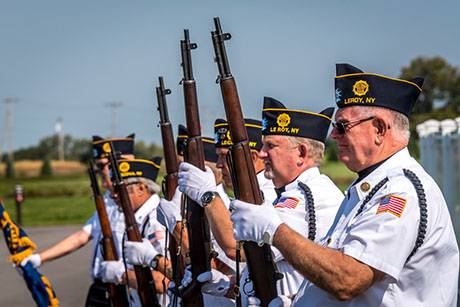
{"points": [[197, 226], [117, 293], [169, 183], [261, 267], [145, 285]]}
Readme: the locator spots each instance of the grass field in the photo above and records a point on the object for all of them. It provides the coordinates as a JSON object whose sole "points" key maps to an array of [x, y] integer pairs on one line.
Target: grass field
{"points": [[57, 200], [66, 199], [32, 168]]}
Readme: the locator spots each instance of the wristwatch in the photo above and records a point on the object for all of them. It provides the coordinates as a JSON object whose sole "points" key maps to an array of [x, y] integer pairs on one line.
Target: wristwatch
{"points": [[208, 197], [154, 262]]}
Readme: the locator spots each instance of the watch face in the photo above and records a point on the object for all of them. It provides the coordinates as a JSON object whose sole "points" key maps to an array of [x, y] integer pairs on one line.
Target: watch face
{"points": [[207, 197]]}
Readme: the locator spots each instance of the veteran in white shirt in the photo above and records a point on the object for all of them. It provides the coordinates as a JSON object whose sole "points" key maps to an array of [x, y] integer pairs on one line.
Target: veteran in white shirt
{"points": [[392, 242], [291, 164], [139, 176]]}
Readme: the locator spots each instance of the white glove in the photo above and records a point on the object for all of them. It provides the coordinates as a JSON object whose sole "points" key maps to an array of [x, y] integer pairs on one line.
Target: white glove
{"points": [[174, 300], [187, 279], [280, 301], [253, 301], [169, 213], [112, 271], [34, 259], [195, 182], [139, 253], [216, 283], [254, 223]]}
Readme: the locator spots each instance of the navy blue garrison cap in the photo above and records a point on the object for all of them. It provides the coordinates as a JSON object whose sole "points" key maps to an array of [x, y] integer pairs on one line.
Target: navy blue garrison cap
{"points": [[148, 169], [101, 146], [278, 120], [353, 87], [224, 140]]}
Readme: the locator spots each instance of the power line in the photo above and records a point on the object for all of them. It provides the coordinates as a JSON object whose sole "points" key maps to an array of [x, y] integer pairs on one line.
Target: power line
{"points": [[113, 126]]}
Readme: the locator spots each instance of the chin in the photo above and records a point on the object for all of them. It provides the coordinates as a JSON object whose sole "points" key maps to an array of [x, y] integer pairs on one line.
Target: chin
{"points": [[345, 159], [269, 174], [350, 164]]}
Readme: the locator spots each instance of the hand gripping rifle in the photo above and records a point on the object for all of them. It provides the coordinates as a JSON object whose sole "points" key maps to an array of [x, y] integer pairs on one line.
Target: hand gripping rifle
{"points": [[117, 293], [262, 269], [198, 227], [170, 180], [145, 285]]}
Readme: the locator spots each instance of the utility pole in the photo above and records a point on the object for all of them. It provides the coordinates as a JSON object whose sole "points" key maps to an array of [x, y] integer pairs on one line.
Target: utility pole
{"points": [[59, 130], [114, 105], [7, 137]]}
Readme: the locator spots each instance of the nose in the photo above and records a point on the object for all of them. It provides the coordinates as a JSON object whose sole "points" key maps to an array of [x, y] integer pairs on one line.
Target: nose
{"points": [[335, 134], [220, 161], [262, 153]]}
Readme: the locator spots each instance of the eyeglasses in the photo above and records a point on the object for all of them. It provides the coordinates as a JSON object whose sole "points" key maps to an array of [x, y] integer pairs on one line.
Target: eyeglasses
{"points": [[342, 127]]}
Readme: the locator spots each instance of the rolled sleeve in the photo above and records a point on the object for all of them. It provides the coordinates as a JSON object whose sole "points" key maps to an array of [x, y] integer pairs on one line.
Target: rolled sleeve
{"points": [[90, 223]]}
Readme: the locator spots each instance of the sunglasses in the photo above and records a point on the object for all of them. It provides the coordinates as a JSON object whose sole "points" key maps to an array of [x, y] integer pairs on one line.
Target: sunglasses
{"points": [[342, 127]]}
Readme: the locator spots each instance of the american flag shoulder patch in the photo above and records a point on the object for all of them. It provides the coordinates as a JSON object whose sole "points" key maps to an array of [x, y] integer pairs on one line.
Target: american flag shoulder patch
{"points": [[392, 204], [288, 202], [156, 235]]}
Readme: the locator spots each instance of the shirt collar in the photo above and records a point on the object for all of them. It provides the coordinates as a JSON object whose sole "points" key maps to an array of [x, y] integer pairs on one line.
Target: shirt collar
{"points": [[150, 205], [305, 176], [366, 184]]}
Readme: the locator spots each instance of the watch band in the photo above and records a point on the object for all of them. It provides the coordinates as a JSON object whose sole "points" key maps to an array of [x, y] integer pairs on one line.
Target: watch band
{"points": [[208, 197], [154, 262]]}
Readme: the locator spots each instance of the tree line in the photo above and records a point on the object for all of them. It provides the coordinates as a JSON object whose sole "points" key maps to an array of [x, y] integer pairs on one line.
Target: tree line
{"points": [[75, 149], [440, 99]]}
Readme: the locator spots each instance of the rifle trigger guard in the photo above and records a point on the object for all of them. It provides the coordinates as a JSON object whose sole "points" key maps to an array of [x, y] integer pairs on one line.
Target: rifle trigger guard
{"points": [[218, 80], [226, 36], [193, 45], [181, 81]]}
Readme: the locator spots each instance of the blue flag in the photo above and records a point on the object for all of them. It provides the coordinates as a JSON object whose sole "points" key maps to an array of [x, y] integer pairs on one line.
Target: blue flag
{"points": [[20, 247]]}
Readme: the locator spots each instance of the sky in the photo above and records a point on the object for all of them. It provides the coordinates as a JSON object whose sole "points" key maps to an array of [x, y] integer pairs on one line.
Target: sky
{"points": [[69, 59]]}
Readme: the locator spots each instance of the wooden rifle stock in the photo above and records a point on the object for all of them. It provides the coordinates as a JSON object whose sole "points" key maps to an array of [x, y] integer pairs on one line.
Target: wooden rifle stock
{"points": [[145, 284], [261, 267], [170, 180], [172, 165], [197, 226], [117, 293]]}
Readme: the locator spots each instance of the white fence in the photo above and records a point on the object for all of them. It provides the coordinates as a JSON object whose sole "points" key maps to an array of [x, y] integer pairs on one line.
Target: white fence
{"points": [[440, 156]]}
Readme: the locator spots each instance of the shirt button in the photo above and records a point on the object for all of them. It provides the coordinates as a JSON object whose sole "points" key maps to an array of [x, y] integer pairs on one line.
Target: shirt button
{"points": [[365, 186]]}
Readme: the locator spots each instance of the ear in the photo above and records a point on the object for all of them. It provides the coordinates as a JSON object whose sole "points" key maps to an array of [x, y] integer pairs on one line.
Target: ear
{"points": [[254, 156], [141, 189], [303, 151], [381, 129]]}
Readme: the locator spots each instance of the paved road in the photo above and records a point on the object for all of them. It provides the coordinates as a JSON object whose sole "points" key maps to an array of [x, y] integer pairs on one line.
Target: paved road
{"points": [[68, 275]]}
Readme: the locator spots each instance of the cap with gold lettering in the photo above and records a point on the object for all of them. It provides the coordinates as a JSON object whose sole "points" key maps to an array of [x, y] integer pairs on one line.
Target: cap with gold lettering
{"points": [[224, 140], [353, 87], [278, 120], [140, 168], [101, 146]]}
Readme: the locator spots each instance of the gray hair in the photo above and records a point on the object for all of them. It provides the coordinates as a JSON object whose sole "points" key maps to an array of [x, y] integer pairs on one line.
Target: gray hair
{"points": [[400, 121], [152, 187], [315, 148]]}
